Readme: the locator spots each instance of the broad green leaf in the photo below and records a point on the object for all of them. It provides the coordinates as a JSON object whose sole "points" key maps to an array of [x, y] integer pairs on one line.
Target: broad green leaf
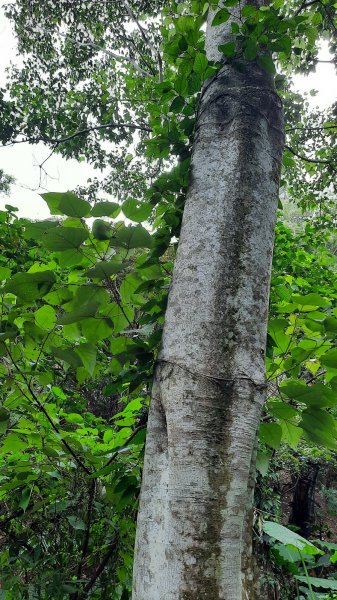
{"points": [[266, 62], [221, 17], [69, 356], [136, 211], [320, 427], [87, 353], [105, 209], [262, 462], [96, 329], [200, 63], [4, 420], [312, 395], [228, 50], [66, 204], [36, 229], [309, 301], [270, 434], [76, 522], [102, 230], [329, 359], [286, 536], [45, 317], [83, 312], [133, 237], [281, 410], [325, 584], [25, 498], [5, 272], [104, 269], [30, 286], [64, 238], [291, 434]]}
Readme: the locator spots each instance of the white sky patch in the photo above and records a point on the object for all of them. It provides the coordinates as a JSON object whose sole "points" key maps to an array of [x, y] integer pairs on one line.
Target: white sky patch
{"points": [[22, 160]]}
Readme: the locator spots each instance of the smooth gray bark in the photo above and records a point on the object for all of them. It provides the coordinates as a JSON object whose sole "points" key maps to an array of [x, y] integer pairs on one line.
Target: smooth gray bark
{"points": [[209, 385]]}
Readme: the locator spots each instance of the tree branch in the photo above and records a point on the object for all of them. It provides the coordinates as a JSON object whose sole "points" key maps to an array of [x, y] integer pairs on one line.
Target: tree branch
{"points": [[59, 141], [113, 55], [145, 38], [324, 127], [99, 569], [311, 160]]}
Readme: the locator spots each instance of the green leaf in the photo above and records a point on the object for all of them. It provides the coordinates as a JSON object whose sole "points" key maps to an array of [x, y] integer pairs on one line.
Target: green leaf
{"points": [[251, 49], [105, 209], [221, 17], [35, 230], [4, 420], [30, 286], [133, 237], [325, 584], [64, 238], [25, 498], [101, 230], [291, 434], [135, 210], [104, 269], [320, 427], [266, 62], [309, 301], [286, 536], [262, 462], [228, 50], [66, 204], [45, 317], [200, 63], [281, 410], [312, 395], [87, 353], [76, 522], [329, 359], [96, 329], [5, 272], [83, 312], [270, 434], [69, 356]]}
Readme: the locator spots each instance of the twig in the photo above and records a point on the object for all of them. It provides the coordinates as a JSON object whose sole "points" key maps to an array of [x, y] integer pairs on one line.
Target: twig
{"points": [[324, 127], [100, 568], [58, 141], [311, 160], [94, 46], [305, 5], [130, 438], [45, 412], [145, 38]]}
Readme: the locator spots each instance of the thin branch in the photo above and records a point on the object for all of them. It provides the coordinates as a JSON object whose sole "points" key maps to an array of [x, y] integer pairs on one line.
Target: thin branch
{"points": [[311, 160], [130, 438], [45, 412], [305, 5], [323, 128], [85, 545], [89, 44], [145, 38], [58, 141], [99, 569]]}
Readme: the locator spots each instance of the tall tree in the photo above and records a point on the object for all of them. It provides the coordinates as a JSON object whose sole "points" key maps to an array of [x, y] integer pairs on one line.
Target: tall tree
{"points": [[209, 386]]}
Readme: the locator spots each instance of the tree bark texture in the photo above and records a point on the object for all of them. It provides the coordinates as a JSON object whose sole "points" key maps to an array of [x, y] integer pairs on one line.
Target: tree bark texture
{"points": [[209, 385]]}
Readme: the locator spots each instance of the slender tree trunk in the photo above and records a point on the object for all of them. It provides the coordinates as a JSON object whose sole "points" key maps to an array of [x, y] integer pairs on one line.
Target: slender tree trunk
{"points": [[209, 385]]}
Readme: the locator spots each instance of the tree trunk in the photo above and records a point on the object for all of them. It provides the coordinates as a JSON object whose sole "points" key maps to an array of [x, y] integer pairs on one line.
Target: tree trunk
{"points": [[209, 385]]}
